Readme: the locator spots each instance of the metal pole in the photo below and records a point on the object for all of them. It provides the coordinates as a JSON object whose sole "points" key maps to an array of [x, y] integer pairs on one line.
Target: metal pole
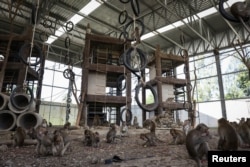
{"points": [[220, 82]]}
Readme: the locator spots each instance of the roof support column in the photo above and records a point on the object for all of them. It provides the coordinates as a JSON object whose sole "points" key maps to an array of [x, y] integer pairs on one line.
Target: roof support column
{"points": [[220, 82]]}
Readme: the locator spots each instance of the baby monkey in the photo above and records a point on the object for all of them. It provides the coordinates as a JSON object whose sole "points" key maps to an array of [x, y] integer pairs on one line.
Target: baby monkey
{"points": [[91, 138], [179, 136]]}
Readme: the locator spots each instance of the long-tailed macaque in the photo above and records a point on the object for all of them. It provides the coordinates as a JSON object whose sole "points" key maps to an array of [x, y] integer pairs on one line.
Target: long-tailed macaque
{"points": [[124, 129], [149, 137], [58, 145], [196, 143], [111, 135], [91, 138], [228, 139], [19, 136], [179, 136]]}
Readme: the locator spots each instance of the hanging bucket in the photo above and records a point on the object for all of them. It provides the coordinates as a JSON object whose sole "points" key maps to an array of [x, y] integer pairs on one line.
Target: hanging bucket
{"points": [[7, 120]]}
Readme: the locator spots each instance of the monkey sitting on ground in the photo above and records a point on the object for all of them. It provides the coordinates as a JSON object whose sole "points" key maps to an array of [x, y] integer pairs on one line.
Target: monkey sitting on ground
{"points": [[179, 136], [238, 129], [44, 123], [44, 141], [228, 139], [96, 121], [150, 137], [135, 122], [196, 143], [58, 147], [19, 136], [31, 133], [91, 138], [124, 129], [244, 132], [111, 135]]}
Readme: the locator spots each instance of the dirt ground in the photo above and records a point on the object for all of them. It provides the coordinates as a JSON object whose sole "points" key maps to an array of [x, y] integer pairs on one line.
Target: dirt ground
{"points": [[129, 149]]}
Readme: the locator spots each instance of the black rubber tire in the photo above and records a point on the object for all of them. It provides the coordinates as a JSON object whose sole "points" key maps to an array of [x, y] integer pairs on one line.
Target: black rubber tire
{"points": [[13, 95], [69, 29], [43, 36], [67, 60], [143, 106], [135, 7], [124, 1], [223, 12], [128, 115], [69, 74], [125, 14], [67, 42], [36, 47], [128, 24], [124, 34], [127, 58], [47, 23], [119, 82]]}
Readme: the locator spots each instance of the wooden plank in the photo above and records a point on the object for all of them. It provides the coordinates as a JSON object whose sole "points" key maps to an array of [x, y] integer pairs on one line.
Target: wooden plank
{"points": [[107, 99], [106, 68]]}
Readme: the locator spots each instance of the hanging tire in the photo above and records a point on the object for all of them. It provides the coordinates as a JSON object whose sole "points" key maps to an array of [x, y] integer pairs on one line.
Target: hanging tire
{"points": [[69, 26], [22, 53], [119, 82], [123, 34], [128, 115], [47, 23], [13, 102], [128, 60], [67, 60], [226, 15], [142, 28], [67, 42], [121, 15], [43, 36], [143, 106], [124, 1], [69, 74], [135, 7]]}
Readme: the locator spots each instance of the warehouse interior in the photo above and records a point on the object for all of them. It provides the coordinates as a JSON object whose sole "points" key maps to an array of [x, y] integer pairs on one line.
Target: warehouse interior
{"points": [[102, 62]]}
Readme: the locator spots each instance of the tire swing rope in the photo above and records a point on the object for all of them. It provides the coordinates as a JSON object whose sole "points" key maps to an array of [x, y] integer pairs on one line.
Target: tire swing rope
{"points": [[31, 43], [26, 71], [141, 83], [187, 84], [128, 113]]}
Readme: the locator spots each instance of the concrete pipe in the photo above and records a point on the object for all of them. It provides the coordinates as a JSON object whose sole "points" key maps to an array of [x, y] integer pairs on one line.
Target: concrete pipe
{"points": [[22, 100], [28, 120], [4, 99], [7, 120]]}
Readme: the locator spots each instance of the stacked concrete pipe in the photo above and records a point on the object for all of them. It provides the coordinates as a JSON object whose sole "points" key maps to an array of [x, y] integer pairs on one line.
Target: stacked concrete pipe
{"points": [[22, 102], [7, 120], [29, 120], [4, 99]]}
